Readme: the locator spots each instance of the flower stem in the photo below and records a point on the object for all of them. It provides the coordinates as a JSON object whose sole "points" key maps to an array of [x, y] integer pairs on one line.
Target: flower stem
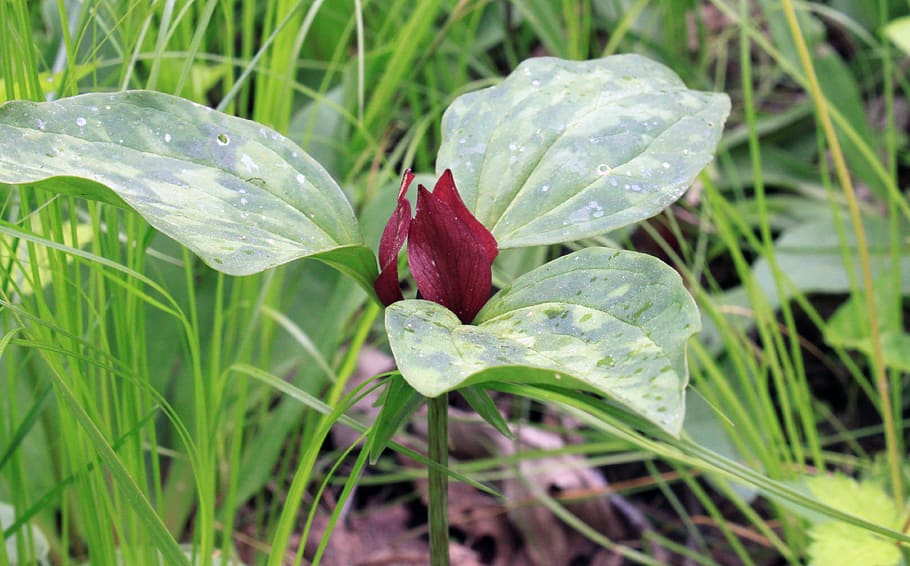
{"points": [[437, 440]]}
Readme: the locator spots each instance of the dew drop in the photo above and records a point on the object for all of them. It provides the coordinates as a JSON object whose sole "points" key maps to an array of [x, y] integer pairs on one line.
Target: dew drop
{"points": [[604, 169], [167, 138], [512, 147], [665, 165], [685, 152], [463, 140], [222, 139], [244, 201], [535, 82], [301, 178], [80, 121], [545, 188], [41, 124]]}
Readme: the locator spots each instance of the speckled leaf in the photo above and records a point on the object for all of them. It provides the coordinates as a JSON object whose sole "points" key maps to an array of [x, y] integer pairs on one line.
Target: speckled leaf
{"points": [[562, 150], [610, 321], [240, 195]]}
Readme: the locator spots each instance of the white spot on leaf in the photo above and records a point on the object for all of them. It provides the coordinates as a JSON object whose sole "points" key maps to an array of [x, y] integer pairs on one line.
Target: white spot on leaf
{"points": [[248, 163]]}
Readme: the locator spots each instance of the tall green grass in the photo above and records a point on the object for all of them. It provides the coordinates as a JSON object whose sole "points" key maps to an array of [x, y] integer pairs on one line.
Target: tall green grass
{"points": [[150, 402]]}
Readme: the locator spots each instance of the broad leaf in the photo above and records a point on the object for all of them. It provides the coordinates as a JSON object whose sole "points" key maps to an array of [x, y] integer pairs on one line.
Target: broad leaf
{"points": [[240, 195], [811, 256], [614, 322], [834, 542], [848, 327], [563, 150]]}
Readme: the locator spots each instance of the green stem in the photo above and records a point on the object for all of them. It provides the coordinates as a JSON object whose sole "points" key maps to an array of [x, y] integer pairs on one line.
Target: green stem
{"points": [[437, 440]]}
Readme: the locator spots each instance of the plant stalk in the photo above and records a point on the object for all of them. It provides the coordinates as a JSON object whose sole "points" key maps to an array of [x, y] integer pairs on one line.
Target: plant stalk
{"points": [[437, 441], [892, 441]]}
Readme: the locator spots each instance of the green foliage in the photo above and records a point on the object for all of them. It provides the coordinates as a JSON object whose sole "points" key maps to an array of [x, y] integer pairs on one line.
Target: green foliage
{"points": [[898, 31], [31, 547], [609, 321], [839, 544], [239, 194], [563, 150], [848, 327], [159, 351]]}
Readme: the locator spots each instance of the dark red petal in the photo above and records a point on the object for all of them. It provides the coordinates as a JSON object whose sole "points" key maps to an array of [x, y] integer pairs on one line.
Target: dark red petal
{"points": [[446, 191], [449, 258], [393, 238]]}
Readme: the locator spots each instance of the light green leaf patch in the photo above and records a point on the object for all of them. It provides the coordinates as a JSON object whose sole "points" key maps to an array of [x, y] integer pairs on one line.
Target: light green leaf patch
{"points": [[609, 321], [835, 543], [848, 327], [898, 31], [563, 150], [238, 194]]}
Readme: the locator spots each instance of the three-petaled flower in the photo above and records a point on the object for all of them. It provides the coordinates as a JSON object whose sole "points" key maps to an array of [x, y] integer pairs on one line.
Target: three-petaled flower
{"points": [[449, 251]]}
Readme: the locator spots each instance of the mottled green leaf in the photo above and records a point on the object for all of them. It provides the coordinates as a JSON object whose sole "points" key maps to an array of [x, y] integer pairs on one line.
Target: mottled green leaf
{"points": [[562, 150], [240, 195], [610, 321]]}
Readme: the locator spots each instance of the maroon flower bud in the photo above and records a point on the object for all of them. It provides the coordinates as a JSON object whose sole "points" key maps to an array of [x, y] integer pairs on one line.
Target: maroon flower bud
{"points": [[393, 237], [450, 252]]}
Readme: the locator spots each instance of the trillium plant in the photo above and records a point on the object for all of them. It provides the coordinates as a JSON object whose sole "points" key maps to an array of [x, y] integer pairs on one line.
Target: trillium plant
{"points": [[559, 151]]}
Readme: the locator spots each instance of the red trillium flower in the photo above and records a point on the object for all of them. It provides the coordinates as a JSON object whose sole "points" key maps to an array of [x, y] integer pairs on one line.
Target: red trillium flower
{"points": [[450, 252]]}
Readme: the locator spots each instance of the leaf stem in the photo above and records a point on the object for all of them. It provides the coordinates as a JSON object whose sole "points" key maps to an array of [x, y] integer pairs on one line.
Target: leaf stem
{"points": [[437, 440]]}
